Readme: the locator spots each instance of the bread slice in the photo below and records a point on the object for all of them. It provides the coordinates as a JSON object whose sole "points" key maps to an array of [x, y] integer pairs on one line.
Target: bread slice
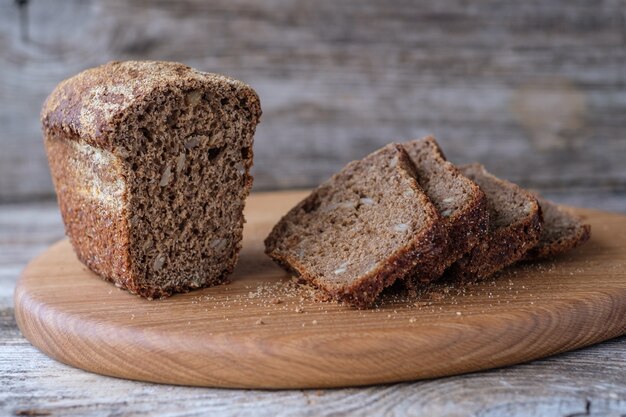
{"points": [[514, 227], [150, 161], [358, 232], [458, 199], [561, 231]]}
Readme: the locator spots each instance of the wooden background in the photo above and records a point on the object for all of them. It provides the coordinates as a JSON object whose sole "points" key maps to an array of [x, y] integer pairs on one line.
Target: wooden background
{"points": [[534, 89]]}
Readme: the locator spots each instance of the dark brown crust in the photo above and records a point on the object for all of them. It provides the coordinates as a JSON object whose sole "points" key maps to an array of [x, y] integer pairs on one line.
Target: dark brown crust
{"points": [[576, 237], [464, 229], [73, 113], [501, 247], [365, 291]]}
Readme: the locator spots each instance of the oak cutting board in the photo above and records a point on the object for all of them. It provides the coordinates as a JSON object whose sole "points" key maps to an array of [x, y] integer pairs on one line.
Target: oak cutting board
{"points": [[262, 331]]}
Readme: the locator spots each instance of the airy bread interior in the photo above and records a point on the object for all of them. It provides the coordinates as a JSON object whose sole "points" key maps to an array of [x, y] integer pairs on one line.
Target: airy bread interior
{"points": [[188, 156]]}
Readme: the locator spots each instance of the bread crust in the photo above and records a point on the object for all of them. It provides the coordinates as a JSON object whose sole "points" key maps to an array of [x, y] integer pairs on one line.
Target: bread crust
{"points": [[81, 119]]}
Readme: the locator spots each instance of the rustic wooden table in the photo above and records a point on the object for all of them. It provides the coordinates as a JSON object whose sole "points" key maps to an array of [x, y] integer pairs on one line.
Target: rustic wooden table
{"points": [[590, 381]]}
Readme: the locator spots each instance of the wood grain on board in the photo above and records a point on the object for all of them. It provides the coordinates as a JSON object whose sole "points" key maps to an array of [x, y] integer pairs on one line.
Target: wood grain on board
{"points": [[261, 331], [535, 90]]}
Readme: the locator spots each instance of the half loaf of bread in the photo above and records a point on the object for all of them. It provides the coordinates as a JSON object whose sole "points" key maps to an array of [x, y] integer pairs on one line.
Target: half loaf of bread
{"points": [[150, 162]]}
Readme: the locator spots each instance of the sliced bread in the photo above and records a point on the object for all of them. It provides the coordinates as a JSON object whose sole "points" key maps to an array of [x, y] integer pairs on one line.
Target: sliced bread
{"points": [[458, 199], [358, 232], [514, 227], [561, 231]]}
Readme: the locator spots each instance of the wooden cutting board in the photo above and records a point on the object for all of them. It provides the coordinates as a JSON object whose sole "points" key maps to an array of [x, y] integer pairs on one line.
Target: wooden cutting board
{"points": [[262, 331]]}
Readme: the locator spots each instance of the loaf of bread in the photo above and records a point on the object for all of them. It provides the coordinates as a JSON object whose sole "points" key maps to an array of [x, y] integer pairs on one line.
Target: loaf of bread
{"points": [[150, 161], [358, 232]]}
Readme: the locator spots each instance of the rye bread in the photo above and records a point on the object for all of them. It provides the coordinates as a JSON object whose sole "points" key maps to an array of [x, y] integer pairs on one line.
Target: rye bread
{"points": [[461, 203], [358, 232], [514, 227], [150, 161], [562, 231]]}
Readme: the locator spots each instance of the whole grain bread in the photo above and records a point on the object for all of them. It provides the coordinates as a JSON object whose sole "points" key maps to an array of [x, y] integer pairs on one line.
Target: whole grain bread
{"points": [[358, 232], [514, 227], [150, 162], [562, 231], [458, 199]]}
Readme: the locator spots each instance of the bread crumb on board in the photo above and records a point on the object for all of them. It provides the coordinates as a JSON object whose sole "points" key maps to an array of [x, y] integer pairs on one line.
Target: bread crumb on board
{"points": [[287, 299]]}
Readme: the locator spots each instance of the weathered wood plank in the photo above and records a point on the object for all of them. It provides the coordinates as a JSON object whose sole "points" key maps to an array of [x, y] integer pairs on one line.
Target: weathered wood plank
{"points": [[586, 382], [537, 91]]}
